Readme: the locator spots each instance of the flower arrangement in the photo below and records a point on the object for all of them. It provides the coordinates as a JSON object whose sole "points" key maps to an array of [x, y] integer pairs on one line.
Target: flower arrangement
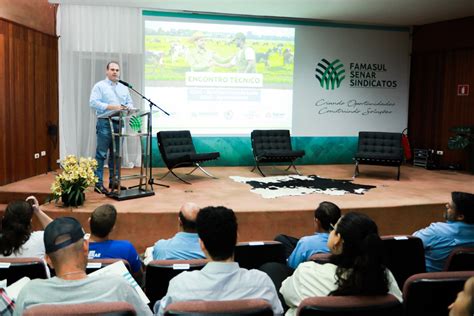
{"points": [[77, 175]]}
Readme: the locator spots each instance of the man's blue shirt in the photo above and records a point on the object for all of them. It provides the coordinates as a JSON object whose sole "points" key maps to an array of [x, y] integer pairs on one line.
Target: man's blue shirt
{"points": [[115, 249], [306, 247], [183, 246], [107, 92], [439, 239]]}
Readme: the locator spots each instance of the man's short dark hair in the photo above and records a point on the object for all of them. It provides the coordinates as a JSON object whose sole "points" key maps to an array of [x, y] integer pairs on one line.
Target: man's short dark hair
{"points": [[327, 213], [188, 225], [464, 204], [217, 228], [103, 220], [111, 62]]}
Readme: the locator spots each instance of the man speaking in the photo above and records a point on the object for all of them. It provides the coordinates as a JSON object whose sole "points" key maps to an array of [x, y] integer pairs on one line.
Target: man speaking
{"points": [[106, 96]]}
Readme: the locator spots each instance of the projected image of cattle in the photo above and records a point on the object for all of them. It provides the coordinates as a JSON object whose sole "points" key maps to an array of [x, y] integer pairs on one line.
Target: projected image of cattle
{"points": [[172, 50], [219, 77]]}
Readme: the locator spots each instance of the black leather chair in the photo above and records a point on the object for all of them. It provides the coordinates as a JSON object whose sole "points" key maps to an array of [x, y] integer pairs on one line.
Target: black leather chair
{"points": [[379, 148], [273, 146], [386, 305], [177, 150]]}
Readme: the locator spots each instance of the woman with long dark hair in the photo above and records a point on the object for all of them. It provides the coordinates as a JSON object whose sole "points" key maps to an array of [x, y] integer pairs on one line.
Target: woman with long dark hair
{"points": [[16, 237], [356, 266]]}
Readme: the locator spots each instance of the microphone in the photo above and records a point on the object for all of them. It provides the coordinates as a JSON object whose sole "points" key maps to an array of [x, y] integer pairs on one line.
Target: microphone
{"points": [[125, 84]]}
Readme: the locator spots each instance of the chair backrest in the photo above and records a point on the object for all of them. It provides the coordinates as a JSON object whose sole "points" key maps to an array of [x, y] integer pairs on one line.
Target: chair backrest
{"points": [[432, 293], [274, 140], [96, 264], [14, 269], [404, 256], [160, 272], [386, 305], [321, 258], [381, 144], [251, 255], [254, 307], [460, 259], [98, 308], [173, 144]]}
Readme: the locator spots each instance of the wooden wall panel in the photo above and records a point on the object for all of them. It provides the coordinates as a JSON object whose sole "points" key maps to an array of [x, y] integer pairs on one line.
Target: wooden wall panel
{"points": [[29, 101], [3, 156], [439, 64], [39, 15]]}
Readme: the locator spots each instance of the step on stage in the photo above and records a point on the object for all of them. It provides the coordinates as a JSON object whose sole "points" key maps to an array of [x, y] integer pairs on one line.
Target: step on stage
{"points": [[398, 207]]}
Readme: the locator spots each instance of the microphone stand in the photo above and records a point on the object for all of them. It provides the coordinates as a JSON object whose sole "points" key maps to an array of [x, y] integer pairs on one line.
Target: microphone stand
{"points": [[152, 104]]}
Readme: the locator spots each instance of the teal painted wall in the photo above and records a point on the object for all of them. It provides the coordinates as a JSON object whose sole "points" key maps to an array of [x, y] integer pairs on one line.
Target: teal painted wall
{"points": [[237, 151]]}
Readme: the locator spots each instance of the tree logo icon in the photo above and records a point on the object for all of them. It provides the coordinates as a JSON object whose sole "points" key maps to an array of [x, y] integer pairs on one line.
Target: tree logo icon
{"points": [[330, 74], [136, 123]]}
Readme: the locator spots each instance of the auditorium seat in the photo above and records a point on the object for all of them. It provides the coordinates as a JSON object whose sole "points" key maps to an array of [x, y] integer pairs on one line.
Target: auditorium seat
{"points": [[89, 309], [160, 272], [249, 307], [404, 256], [432, 293], [251, 255], [460, 259], [96, 264], [14, 269], [386, 305], [321, 258]]}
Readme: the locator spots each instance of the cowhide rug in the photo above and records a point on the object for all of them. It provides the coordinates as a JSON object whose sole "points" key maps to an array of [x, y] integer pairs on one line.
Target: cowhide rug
{"points": [[273, 187]]}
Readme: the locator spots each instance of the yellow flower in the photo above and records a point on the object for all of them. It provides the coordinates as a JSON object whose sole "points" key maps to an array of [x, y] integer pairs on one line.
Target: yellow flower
{"points": [[77, 175]]}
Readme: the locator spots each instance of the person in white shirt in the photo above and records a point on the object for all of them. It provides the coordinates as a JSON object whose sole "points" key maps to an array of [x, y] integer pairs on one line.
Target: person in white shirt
{"points": [[245, 59], [16, 238], [221, 279], [356, 266]]}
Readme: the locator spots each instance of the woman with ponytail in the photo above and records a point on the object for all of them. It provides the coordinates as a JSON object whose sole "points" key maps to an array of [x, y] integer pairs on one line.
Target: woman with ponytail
{"points": [[356, 266], [16, 237]]}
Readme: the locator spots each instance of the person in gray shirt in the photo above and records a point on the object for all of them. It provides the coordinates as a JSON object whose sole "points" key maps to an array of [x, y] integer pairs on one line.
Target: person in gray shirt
{"points": [[67, 246], [221, 279]]}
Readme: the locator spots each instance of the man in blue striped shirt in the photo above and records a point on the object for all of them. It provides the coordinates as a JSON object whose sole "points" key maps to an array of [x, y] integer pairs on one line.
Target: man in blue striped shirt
{"points": [[108, 95]]}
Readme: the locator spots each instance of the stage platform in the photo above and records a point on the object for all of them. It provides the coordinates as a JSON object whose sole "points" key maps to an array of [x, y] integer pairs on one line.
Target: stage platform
{"points": [[398, 207]]}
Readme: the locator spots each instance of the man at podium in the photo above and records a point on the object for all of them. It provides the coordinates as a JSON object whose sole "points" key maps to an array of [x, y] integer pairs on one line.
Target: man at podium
{"points": [[108, 95]]}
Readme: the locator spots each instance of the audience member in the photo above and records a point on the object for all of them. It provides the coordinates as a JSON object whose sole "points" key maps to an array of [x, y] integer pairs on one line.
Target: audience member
{"points": [[439, 239], [298, 251], [185, 244], [67, 247], [221, 278], [16, 238], [356, 266], [102, 222], [464, 304]]}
